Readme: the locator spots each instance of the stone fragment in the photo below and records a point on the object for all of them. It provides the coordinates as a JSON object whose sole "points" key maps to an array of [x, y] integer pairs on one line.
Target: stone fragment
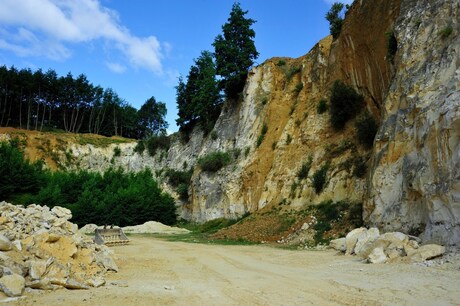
{"points": [[42, 284], [5, 243], [71, 283], [62, 212], [12, 285], [377, 256], [426, 252], [95, 282], [339, 244]]}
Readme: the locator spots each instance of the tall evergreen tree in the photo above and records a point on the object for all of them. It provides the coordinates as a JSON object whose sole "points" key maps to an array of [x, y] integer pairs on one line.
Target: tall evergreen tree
{"points": [[235, 51], [199, 101]]}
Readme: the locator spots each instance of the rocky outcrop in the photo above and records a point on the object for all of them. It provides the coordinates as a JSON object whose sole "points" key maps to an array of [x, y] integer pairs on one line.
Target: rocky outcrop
{"points": [[414, 183], [43, 251], [374, 248]]}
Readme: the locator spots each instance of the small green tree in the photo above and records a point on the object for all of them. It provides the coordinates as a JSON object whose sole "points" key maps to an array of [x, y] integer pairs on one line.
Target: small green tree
{"points": [[235, 51], [335, 18], [152, 118]]}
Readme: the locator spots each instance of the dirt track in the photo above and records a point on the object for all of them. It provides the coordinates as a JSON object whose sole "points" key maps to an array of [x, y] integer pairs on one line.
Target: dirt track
{"points": [[158, 272]]}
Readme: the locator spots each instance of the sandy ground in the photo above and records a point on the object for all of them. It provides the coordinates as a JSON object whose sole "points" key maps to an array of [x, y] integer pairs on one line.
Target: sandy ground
{"points": [[158, 272]]}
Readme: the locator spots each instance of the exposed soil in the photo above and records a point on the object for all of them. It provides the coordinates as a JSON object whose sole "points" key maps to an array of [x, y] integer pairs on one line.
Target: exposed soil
{"points": [[158, 272]]}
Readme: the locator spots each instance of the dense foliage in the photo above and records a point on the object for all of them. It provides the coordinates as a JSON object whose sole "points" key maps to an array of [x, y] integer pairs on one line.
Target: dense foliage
{"points": [[335, 18], [42, 100], [366, 128], [199, 100], [345, 104], [180, 180], [319, 178], [114, 197], [17, 175], [235, 51], [214, 161]]}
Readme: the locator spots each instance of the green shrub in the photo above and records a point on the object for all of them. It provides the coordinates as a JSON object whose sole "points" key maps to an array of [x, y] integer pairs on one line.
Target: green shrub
{"points": [[281, 63], [215, 161], [175, 177], [140, 147], [213, 226], [334, 150], [345, 104], [445, 32], [392, 45], [322, 106], [116, 152], [359, 166], [157, 142], [366, 128], [17, 175], [298, 88], [319, 178], [305, 169], [182, 191], [261, 137], [293, 70], [246, 151], [214, 135]]}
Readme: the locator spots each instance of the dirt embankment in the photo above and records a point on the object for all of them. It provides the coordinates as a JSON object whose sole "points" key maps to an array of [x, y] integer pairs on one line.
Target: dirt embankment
{"points": [[157, 272]]}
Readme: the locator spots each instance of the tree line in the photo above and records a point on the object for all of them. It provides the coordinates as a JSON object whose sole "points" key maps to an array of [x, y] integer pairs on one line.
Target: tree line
{"points": [[112, 197], [37, 100]]}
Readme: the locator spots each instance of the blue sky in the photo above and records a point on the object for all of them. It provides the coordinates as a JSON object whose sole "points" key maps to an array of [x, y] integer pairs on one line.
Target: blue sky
{"points": [[140, 47]]}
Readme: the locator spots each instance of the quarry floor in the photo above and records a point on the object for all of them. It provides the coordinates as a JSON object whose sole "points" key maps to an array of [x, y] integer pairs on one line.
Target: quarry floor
{"points": [[158, 272]]}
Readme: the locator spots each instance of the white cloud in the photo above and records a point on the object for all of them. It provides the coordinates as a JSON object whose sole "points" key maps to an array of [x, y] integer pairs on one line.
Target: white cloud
{"points": [[342, 1], [47, 27], [116, 67]]}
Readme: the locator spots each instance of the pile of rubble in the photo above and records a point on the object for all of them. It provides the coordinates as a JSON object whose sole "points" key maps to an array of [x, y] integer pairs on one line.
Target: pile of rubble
{"points": [[41, 250], [388, 247]]}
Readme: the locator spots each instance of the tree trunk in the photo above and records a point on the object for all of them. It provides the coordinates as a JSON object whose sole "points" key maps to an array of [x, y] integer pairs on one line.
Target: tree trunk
{"points": [[43, 116]]}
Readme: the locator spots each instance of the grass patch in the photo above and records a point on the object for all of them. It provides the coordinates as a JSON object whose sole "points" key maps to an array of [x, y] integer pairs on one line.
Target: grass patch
{"points": [[261, 136]]}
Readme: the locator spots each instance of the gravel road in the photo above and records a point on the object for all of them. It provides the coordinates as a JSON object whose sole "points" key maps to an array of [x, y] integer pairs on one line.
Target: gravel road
{"points": [[159, 272]]}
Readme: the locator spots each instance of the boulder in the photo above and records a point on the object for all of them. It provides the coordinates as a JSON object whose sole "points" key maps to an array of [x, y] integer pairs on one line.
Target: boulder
{"points": [[352, 238], [62, 212], [377, 256], [426, 252], [365, 238], [5, 243], [12, 285], [339, 244]]}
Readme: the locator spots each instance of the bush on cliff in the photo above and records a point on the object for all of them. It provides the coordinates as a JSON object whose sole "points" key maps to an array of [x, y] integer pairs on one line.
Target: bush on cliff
{"points": [[345, 104], [214, 161]]}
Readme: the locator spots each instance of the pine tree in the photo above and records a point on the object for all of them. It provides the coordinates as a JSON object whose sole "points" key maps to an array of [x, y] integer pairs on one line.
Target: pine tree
{"points": [[235, 51], [199, 100]]}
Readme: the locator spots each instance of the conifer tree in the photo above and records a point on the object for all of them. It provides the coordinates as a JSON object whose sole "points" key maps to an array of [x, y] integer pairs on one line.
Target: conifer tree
{"points": [[235, 51]]}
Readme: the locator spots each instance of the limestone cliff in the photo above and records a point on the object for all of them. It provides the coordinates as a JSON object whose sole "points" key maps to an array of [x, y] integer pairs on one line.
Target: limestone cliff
{"points": [[412, 183]]}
